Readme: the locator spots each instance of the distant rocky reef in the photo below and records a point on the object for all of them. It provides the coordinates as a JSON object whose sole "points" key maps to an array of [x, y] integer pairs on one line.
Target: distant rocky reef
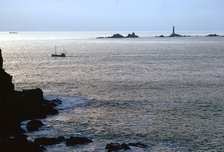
{"points": [[116, 36], [132, 35], [174, 34], [213, 35]]}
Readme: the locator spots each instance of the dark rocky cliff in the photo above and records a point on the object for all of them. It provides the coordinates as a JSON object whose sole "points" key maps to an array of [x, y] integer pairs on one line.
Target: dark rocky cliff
{"points": [[17, 106], [6, 85]]}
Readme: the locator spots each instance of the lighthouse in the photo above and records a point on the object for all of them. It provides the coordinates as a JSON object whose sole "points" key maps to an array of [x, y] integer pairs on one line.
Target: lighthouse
{"points": [[174, 34]]}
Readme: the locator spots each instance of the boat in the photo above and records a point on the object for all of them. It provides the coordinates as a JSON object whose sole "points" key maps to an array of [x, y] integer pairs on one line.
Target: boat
{"points": [[13, 32], [57, 55]]}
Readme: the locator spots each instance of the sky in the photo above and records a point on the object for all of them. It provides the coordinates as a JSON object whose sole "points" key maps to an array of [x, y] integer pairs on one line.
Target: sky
{"points": [[111, 15]]}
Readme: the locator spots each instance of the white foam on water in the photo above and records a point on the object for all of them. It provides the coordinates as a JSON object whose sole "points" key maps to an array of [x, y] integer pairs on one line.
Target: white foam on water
{"points": [[50, 123], [68, 102]]}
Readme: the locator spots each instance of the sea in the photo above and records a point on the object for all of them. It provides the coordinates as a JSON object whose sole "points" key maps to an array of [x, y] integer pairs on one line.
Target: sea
{"points": [[166, 93]]}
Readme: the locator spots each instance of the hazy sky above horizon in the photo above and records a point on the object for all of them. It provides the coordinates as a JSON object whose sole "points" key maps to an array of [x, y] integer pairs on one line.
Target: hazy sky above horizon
{"points": [[113, 15]]}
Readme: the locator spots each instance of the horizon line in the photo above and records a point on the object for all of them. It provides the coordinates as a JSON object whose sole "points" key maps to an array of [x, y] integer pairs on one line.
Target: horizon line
{"points": [[109, 30]]}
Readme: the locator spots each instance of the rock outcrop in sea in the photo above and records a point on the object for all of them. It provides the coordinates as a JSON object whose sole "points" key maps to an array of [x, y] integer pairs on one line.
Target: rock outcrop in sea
{"points": [[112, 147], [116, 36], [132, 35], [213, 35]]}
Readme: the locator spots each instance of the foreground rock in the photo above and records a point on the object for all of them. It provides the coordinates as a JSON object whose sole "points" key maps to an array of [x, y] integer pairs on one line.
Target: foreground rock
{"points": [[19, 145], [69, 141], [34, 106], [15, 107], [49, 141], [6, 87], [77, 141], [34, 125], [116, 146]]}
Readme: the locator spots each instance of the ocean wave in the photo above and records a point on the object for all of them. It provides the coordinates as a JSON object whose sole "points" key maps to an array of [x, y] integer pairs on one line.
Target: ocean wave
{"points": [[68, 102]]}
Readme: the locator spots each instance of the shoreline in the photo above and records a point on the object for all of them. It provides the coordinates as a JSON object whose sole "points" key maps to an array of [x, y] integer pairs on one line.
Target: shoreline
{"points": [[18, 106], [21, 113]]}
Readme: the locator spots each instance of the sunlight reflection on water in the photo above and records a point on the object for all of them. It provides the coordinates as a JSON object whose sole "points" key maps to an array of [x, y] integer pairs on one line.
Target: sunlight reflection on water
{"points": [[166, 93]]}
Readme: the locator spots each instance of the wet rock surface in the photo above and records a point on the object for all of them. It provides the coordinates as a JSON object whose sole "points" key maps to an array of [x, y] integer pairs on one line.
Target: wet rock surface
{"points": [[34, 125], [77, 141], [112, 147], [19, 145], [116, 147], [49, 141]]}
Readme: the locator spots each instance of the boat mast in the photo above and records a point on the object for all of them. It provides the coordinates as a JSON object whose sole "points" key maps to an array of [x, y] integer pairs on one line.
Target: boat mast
{"points": [[55, 48]]}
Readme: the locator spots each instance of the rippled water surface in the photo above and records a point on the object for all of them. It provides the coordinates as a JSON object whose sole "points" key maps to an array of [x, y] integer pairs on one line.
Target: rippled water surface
{"points": [[167, 93]]}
